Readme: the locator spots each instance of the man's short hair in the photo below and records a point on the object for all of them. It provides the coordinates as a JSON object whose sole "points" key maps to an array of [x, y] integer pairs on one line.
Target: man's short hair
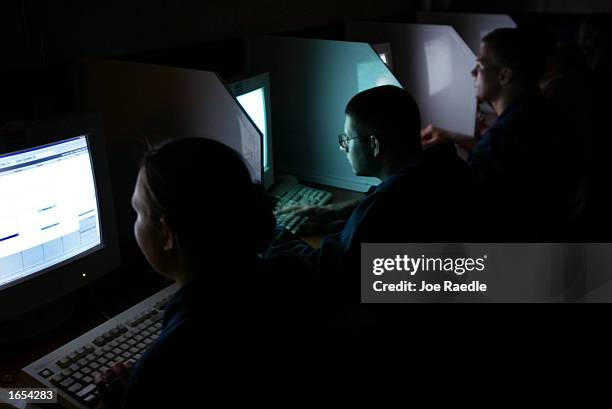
{"points": [[389, 113], [520, 51]]}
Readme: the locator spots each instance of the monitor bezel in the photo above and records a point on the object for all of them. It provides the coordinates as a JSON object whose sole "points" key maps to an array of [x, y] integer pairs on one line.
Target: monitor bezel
{"points": [[69, 275]]}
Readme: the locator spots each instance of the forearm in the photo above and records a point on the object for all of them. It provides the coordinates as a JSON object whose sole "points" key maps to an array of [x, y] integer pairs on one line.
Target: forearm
{"points": [[342, 211]]}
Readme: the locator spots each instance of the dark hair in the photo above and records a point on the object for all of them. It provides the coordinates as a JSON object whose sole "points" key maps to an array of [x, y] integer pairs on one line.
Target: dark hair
{"points": [[390, 113], [205, 192], [520, 50]]}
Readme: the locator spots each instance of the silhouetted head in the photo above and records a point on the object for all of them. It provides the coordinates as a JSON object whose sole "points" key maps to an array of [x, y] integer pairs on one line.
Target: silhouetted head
{"points": [[508, 58], [196, 204], [595, 39], [382, 127]]}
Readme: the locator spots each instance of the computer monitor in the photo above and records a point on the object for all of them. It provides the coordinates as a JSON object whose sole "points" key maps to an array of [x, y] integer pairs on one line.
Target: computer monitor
{"points": [[57, 223], [253, 95], [384, 52]]}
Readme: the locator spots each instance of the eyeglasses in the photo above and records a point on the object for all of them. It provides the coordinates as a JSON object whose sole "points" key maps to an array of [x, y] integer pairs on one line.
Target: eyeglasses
{"points": [[343, 141], [481, 68]]}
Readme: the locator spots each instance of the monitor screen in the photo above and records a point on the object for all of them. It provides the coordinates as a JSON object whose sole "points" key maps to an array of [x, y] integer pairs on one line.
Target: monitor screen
{"points": [[49, 209], [254, 103]]}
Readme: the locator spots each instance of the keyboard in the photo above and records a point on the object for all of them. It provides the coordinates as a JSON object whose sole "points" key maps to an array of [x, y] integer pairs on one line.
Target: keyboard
{"points": [[122, 339], [299, 195]]}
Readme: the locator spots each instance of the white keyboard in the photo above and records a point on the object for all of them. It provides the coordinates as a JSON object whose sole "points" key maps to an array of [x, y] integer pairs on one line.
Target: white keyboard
{"points": [[299, 195], [122, 339]]}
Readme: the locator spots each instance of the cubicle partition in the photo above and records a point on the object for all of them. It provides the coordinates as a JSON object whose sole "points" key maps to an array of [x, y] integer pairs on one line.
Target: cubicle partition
{"points": [[472, 27], [142, 102], [311, 82], [434, 64]]}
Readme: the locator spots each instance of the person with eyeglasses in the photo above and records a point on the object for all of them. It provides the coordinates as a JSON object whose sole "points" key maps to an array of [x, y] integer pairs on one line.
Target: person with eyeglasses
{"points": [[413, 203], [522, 161]]}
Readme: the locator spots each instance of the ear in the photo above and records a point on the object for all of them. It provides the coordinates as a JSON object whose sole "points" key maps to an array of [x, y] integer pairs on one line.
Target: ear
{"points": [[375, 146], [505, 76], [167, 235]]}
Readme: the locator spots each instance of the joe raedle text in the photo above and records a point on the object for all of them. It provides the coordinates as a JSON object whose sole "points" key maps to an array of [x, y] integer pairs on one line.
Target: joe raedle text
{"points": [[425, 287]]}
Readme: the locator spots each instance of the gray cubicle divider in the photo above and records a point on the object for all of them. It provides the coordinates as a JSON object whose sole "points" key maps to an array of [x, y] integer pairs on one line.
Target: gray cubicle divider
{"points": [[165, 102], [142, 102], [311, 83], [434, 64], [472, 27]]}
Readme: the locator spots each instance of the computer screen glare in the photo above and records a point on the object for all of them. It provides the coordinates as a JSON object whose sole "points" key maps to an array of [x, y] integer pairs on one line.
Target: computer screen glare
{"points": [[255, 106]]}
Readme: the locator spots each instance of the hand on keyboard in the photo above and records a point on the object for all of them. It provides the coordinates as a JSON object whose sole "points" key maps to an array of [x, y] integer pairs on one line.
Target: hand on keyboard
{"points": [[112, 385], [315, 218], [298, 196]]}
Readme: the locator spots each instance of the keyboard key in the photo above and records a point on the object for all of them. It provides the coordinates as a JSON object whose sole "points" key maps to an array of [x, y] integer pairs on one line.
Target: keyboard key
{"points": [[90, 400], [86, 391], [57, 379], [66, 383], [100, 341], [88, 379], [63, 363], [73, 356], [45, 373], [75, 387], [78, 376]]}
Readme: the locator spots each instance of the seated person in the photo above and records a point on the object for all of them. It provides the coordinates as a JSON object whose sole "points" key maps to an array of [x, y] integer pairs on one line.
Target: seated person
{"points": [[415, 202], [204, 232], [522, 161]]}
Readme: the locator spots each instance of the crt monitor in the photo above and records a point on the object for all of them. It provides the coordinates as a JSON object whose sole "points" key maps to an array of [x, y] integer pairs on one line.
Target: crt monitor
{"points": [[57, 225], [253, 95]]}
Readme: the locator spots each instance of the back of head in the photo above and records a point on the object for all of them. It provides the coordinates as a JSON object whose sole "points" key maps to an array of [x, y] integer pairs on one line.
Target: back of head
{"points": [[520, 50], [204, 191], [389, 113]]}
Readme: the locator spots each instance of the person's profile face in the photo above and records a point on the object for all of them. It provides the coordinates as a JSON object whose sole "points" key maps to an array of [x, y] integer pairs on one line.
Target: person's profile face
{"points": [[148, 232], [356, 154], [486, 75]]}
